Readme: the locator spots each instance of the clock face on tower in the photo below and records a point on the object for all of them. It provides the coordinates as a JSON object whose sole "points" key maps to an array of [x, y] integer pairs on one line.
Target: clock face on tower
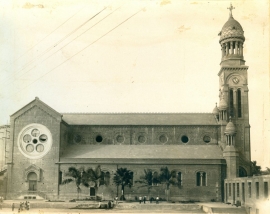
{"points": [[35, 141], [235, 80]]}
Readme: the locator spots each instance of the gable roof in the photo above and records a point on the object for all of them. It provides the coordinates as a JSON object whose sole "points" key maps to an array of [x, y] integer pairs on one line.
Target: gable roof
{"points": [[39, 103], [142, 152], [140, 119]]}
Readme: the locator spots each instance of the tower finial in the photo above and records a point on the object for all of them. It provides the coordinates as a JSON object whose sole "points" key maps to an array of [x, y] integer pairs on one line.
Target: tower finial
{"points": [[231, 8]]}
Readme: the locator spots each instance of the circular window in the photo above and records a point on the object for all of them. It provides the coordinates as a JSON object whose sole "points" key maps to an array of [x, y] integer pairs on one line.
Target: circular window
{"points": [[77, 138], [163, 138], [184, 139], [35, 132], [35, 141], [120, 138], [206, 139], [40, 148], [99, 139], [27, 138], [29, 148], [142, 139]]}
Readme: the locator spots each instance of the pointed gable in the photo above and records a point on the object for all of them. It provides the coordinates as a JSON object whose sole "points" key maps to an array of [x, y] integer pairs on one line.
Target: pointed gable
{"points": [[37, 103]]}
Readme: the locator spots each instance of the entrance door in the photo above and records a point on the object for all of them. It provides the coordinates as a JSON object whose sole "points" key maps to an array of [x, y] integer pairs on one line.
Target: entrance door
{"points": [[92, 191], [32, 179]]}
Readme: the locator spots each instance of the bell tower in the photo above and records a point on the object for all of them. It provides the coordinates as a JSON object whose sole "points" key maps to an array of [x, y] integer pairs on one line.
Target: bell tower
{"points": [[233, 89]]}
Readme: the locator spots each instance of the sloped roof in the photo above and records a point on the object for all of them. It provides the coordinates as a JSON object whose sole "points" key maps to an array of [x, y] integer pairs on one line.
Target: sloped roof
{"points": [[140, 119], [39, 103], [142, 152]]}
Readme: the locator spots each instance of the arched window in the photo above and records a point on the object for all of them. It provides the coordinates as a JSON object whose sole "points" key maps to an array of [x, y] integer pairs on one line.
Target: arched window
{"points": [[242, 172], [239, 107], [32, 179], [179, 178], [155, 180], [231, 103], [201, 178], [107, 178], [131, 180], [60, 177], [176, 178]]}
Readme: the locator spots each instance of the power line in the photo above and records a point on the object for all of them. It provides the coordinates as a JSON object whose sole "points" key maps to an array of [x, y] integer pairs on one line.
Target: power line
{"points": [[71, 41], [57, 43], [49, 34], [48, 49], [79, 51]]}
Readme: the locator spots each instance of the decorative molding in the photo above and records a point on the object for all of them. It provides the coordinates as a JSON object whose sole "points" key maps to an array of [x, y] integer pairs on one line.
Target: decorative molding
{"points": [[32, 168]]}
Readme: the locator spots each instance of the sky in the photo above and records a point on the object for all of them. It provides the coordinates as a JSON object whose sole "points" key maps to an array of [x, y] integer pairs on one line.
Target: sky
{"points": [[130, 56]]}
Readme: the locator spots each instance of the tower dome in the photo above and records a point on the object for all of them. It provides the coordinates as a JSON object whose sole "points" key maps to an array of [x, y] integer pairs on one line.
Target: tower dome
{"points": [[231, 30], [230, 128], [232, 40], [215, 110], [222, 105]]}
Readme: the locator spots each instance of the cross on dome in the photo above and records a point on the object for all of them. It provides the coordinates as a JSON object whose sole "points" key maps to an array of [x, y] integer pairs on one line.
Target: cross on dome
{"points": [[231, 8]]}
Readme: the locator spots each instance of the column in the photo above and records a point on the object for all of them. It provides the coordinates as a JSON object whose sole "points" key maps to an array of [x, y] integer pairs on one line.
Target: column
{"points": [[223, 49], [241, 49], [227, 48], [231, 48], [236, 48]]}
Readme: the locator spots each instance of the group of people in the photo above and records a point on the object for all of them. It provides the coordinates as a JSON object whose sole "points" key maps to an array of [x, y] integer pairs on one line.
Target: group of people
{"points": [[151, 199], [23, 206]]}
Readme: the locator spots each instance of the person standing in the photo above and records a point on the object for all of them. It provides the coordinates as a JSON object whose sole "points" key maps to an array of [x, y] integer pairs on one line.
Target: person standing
{"points": [[140, 199], [13, 206], [157, 199], [144, 199]]}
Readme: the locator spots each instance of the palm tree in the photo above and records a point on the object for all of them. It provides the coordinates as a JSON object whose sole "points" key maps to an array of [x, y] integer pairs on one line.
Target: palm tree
{"points": [[255, 170], [123, 177], [79, 176], [167, 177], [147, 180], [96, 176]]}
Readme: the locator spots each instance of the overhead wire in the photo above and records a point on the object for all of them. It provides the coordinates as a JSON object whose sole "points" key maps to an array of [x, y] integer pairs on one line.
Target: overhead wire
{"points": [[65, 37], [71, 41], [49, 34], [45, 37], [78, 52], [50, 48]]}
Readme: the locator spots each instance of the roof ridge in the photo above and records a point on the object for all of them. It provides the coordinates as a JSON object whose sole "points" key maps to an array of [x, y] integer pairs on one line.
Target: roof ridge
{"points": [[136, 113]]}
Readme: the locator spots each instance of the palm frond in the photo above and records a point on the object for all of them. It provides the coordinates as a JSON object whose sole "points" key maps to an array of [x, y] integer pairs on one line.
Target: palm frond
{"points": [[67, 181]]}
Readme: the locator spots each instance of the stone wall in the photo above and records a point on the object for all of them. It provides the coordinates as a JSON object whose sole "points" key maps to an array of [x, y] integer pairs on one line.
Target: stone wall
{"points": [[19, 165], [187, 191], [251, 192], [143, 135]]}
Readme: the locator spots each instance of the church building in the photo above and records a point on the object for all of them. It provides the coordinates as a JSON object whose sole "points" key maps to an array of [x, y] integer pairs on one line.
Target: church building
{"points": [[199, 149]]}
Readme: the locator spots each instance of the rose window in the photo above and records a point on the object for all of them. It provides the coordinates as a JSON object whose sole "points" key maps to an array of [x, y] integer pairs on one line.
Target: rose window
{"points": [[35, 141]]}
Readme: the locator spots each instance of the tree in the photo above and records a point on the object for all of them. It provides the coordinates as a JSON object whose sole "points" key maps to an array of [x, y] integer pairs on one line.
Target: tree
{"points": [[95, 175], [255, 170], [123, 177], [79, 176], [147, 180], [167, 177], [82, 177]]}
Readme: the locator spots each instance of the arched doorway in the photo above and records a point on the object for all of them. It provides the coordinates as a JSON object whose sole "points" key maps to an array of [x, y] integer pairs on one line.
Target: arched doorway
{"points": [[32, 179]]}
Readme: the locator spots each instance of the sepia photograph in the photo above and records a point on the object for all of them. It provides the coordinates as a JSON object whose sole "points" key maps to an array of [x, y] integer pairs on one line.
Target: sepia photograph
{"points": [[134, 106]]}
